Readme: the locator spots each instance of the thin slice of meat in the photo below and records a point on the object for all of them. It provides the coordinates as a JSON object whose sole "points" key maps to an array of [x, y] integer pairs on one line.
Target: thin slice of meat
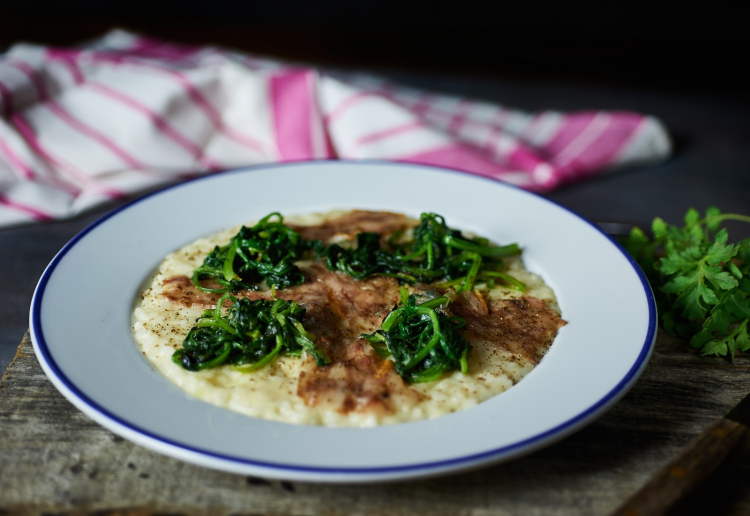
{"points": [[357, 221], [181, 291], [362, 383], [338, 310], [525, 326], [359, 306]]}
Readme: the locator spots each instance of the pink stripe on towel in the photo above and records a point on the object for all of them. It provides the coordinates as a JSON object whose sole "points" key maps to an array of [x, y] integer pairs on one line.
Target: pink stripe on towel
{"points": [[69, 59], [6, 97], [154, 48], [159, 122], [292, 114], [347, 103], [193, 93], [95, 135], [458, 157], [32, 75], [27, 172], [28, 133], [383, 134], [573, 125], [30, 211], [608, 144], [16, 161]]}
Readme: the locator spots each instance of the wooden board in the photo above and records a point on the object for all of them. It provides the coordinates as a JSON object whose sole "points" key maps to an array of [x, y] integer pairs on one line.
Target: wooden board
{"points": [[53, 459]]}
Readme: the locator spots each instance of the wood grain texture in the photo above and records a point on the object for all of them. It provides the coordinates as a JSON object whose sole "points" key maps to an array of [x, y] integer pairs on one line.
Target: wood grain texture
{"points": [[55, 460], [688, 470]]}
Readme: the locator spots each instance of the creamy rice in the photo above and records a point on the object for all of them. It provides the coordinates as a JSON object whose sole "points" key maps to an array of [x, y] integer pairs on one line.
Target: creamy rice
{"points": [[160, 326]]}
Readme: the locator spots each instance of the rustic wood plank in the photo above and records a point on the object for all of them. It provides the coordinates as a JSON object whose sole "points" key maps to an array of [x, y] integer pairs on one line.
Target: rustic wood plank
{"points": [[688, 470], [53, 459]]}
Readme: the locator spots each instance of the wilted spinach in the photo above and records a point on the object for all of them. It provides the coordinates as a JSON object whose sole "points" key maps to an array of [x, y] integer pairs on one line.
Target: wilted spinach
{"points": [[436, 254], [266, 251], [251, 335], [423, 341]]}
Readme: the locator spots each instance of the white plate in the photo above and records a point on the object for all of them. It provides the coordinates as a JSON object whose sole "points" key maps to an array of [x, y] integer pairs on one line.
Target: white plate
{"points": [[80, 324]]}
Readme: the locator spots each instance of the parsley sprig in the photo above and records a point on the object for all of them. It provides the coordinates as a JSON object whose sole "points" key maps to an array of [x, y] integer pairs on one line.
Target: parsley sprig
{"points": [[702, 282]]}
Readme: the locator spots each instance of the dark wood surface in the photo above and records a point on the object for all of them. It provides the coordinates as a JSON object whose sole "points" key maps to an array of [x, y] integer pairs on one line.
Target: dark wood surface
{"points": [[689, 470], [55, 460]]}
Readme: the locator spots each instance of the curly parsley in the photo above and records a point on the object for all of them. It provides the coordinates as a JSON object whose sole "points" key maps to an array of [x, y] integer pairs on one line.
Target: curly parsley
{"points": [[702, 283]]}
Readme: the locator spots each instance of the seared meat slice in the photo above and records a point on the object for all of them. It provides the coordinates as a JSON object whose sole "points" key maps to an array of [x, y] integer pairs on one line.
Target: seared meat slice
{"points": [[339, 310], [363, 382], [180, 290], [525, 326], [359, 306], [357, 221]]}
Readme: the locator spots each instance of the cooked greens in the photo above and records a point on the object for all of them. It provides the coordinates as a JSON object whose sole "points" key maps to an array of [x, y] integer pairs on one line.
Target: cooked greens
{"points": [[250, 337], [436, 254], [423, 341], [266, 251]]}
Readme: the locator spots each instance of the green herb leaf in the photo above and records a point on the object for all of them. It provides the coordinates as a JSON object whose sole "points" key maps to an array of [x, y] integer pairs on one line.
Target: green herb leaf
{"points": [[713, 218], [692, 217], [715, 347], [737, 304], [743, 339], [701, 281], [659, 228]]}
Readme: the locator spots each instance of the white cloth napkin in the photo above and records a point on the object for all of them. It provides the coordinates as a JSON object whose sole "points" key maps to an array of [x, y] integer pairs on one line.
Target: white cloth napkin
{"points": [[127, 113]]}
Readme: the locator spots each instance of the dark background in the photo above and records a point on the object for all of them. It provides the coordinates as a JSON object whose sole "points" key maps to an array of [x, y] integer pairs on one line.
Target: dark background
{"points": [[694, 47]]}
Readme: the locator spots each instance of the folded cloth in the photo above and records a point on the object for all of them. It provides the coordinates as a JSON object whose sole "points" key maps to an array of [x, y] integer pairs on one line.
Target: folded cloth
{"points": [[126, 113]]}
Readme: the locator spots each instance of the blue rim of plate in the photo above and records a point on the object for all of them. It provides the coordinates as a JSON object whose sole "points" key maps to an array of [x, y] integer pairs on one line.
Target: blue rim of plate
{"points": [[560, 430]]}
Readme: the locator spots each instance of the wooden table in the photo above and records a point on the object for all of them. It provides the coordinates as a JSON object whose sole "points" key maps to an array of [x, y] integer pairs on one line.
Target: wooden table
{"points": [[55, 460]]}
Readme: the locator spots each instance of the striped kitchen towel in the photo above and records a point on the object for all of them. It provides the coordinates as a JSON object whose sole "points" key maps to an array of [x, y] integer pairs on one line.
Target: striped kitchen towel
{"points": [[126, 113]]}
